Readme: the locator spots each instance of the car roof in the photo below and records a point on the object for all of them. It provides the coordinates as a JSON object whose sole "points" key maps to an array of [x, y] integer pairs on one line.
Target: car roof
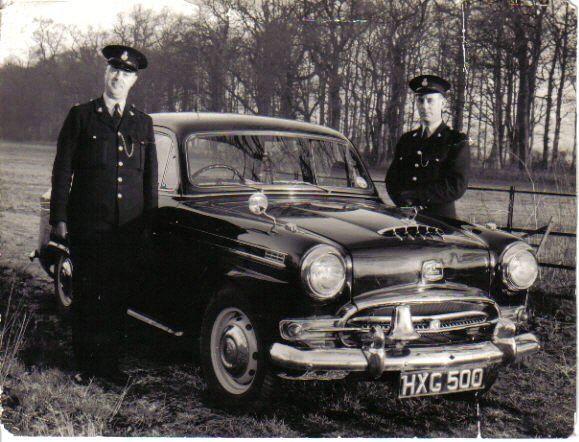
{"points": [[187, 122]]}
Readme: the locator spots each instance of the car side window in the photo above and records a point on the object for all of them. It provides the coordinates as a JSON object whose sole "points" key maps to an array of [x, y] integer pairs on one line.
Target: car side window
{"points": [[167, 161]]}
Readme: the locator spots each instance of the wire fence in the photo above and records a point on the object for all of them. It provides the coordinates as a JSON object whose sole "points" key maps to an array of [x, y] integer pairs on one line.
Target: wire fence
{"points": [[547, 230]]}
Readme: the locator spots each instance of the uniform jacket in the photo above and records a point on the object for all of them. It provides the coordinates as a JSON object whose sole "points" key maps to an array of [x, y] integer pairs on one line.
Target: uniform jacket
{"points": [[113, 172], [435, 169]]}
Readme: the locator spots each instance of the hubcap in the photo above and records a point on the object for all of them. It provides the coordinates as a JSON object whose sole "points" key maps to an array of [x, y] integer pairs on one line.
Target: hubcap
{"points": [[233, 350]]}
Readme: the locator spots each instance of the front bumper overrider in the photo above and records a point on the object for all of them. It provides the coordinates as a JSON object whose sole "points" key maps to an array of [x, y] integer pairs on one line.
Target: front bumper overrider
{"points": [[505, 348]]}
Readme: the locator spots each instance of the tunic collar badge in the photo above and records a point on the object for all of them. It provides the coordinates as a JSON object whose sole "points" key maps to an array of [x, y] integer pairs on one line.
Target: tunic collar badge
{"points": [[425, 82], [125, 56], [99, 109]]}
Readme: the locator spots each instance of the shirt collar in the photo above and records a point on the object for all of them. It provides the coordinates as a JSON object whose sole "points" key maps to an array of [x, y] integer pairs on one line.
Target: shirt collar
{"points": [[110, 104], [431, 129]]}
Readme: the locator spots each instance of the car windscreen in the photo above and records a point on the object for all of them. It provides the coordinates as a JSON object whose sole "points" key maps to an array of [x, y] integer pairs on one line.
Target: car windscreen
{"points": [[230, 159]]}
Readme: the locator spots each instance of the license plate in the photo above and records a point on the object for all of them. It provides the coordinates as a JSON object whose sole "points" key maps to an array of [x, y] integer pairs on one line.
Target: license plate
{"points": [[425, 383]]}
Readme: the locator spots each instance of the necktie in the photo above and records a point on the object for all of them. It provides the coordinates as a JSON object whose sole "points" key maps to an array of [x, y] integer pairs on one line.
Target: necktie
{"points": [[425, 133], [117, 115]]}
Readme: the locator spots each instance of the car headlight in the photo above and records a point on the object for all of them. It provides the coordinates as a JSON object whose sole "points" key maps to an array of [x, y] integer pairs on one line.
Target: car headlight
{"points": [[519, 266], [323, 272]]}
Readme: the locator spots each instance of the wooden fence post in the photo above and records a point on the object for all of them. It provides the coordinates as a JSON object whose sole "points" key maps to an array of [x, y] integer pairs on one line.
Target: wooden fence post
{"points": [[511, 208]]}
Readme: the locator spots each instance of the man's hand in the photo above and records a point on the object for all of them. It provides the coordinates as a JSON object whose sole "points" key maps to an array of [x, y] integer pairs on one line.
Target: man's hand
{"points": [[59, 231], [408, 198]]}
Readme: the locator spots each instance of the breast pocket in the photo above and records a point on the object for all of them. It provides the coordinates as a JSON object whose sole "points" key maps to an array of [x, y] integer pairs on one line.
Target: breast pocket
{"points": [[92, 154]]}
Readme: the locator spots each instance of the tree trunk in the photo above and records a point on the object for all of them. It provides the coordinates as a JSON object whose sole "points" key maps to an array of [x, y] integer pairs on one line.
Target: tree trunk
{"points": [[523, 99], [574, 146], [508, 111], [549, 104], [459, 91], [394, 116], [494, 157], [563, 68]]}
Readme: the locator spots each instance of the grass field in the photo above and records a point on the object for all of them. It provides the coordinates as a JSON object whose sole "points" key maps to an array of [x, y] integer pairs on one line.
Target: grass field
{"points": [[168, 398]]}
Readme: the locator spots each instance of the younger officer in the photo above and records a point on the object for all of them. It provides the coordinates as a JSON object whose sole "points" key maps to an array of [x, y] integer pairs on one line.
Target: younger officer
{"points": [[106, 150], [431, 164]]}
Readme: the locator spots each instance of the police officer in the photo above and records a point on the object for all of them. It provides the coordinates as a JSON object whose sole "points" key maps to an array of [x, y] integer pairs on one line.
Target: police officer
{"points": [[104, 192], [431, 164]]}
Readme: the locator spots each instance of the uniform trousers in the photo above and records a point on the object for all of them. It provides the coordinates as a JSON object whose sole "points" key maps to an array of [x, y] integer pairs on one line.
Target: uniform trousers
{"points": [[103, 278]]}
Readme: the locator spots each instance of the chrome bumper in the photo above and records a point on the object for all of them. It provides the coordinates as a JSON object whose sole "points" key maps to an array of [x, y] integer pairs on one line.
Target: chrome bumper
{"points": [[501, 350]]}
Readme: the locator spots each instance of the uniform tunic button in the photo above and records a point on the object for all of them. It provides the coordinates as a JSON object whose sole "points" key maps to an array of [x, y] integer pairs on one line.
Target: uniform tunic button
{"points": [[120, 148], [414, 178], [119, 134], [400, 158], [415, 164], [437, 160], [120, 164], [419, 152], [119, 195], [120, 179]]}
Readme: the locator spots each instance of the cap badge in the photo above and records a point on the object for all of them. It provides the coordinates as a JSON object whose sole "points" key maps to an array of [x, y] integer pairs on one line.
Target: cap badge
{"points": [[425, 82], [125, 56]]}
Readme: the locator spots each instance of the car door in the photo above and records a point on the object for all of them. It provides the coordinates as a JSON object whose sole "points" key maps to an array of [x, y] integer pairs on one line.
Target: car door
{"points": [[156, 261]]}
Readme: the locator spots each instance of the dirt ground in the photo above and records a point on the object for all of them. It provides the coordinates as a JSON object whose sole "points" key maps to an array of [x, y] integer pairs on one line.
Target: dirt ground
{"points": [[534, 399]]}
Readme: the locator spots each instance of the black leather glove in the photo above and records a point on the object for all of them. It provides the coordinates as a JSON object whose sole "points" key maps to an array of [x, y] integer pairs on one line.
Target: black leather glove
{"points": [[408, 198], [59, 232]]}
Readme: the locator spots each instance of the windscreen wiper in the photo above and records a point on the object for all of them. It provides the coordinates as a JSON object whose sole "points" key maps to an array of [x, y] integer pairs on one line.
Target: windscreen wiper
{"points": [[302, 182]]}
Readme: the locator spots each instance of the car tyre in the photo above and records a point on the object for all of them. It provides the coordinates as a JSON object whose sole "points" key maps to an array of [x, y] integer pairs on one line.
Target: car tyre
{"points": [[234, 358], [63, 285]]}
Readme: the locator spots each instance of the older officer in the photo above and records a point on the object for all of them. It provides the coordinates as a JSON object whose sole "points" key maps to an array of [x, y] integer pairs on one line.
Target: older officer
{"points": [[431, 164], [106, 150]]}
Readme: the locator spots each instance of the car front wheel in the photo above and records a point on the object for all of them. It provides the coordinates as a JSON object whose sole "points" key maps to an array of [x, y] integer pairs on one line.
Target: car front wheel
{"points": [[233, 356]]}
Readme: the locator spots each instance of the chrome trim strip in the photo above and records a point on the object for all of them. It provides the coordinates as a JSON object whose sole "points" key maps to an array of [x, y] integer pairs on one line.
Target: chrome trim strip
{"points": [[284, 191], [441, 317], [456, 327], [260, 259], [153, 323], [444, 357]]}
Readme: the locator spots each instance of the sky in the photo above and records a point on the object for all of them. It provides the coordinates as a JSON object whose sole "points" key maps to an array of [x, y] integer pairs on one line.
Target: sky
{"points": [[17, 17]]}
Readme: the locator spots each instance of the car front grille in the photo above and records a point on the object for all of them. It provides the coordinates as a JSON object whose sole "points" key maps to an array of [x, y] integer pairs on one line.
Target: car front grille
{"points": [[435, 322]]}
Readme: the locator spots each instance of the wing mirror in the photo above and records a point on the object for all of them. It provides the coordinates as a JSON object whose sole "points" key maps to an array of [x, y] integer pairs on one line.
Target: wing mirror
{"points": [[258, 204]]}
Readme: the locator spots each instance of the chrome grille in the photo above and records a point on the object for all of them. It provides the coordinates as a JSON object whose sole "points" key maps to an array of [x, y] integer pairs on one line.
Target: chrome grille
{"points": [[426, 325], [440, 321]]}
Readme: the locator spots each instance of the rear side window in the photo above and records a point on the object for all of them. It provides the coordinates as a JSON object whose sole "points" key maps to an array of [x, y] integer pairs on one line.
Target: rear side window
{"points": [[167, 161]]}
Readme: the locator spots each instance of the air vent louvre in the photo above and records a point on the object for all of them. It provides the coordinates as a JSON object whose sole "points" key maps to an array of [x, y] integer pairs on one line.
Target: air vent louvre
{"points": [[412, 232]]}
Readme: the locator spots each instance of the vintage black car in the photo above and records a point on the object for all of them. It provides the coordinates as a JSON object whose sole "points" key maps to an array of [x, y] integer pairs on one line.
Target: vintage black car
{"points": [[273, 248]]}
